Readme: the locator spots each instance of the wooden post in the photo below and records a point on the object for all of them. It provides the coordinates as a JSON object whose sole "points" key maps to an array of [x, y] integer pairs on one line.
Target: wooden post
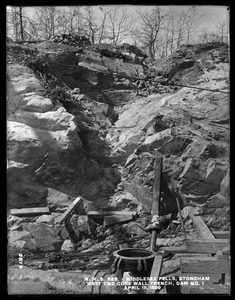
{"points": [[157, 186], [156, 198], [155, 273], [69, 210], [74, 238]]}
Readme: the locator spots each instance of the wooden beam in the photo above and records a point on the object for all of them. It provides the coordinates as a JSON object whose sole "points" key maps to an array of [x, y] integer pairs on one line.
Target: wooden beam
{"points": [[206, 246], [111, 220], [221, 234], [110, 213], [179, 249], [202, 229], [155, 273], [204, 265], [157, 186], [69, 210], [30, 211]]}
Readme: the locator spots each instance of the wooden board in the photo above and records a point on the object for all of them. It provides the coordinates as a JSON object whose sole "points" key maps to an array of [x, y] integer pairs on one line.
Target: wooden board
{"points": [[202, 229], [204, 265], [221, 234], [110, 213], [178, 249], [69, 210], [30, 211], [111, 220], [155, 273], [157, 186], [206, 246]]}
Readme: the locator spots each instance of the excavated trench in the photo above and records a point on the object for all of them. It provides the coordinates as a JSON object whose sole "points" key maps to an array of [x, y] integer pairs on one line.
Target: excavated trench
{"points": [[110, 135]]}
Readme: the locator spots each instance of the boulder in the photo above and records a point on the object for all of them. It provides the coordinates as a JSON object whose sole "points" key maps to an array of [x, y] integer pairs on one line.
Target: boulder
{"points": [[44, 237], [13, 220], [113, 175], [155, 141], [56, 199], [36, 103], [26, 193], [202, 178], [48, 219], [175, 146], [67, 246], [217, 201], [52, 121], [19, 239], [141, 193], [122, 200]]}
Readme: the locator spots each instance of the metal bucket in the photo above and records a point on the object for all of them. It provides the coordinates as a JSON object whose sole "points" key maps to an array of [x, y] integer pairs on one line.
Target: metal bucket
{"points": [[137, 261]]}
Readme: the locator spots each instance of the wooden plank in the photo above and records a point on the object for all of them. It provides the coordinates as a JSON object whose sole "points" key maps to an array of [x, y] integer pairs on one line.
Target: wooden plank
{"points": [[110, 213], [155, 273], [69, 210], [202, 229], [157, 186], [179, 249], [204, 265], [206, 246], [221, 234], [111, 220], [30, 211]]}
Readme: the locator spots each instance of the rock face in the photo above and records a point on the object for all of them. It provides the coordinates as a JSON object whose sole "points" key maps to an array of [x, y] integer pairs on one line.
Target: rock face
{"points": [[45, 148], [190, 129], [189, 62], [98, 137]]}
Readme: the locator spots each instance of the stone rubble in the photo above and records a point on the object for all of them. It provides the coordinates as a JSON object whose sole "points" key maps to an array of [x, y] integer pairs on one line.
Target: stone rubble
{"points": [[98, 138]]}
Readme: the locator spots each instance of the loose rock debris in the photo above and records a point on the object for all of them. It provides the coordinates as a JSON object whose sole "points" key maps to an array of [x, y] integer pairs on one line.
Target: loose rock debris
{"points": [[120, 133]]}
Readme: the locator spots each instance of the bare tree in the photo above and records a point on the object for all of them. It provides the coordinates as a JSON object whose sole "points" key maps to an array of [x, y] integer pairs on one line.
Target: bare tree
{"points": [[15, 22], [208, 36], [91, 27], [150, 26], [70, 20], [119, 23], [102, 34], [46, 19], [221, 27], [181, 27], [192, 22]]}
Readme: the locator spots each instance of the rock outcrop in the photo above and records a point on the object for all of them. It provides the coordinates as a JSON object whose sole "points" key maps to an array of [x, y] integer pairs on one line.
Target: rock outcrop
{"points": [[96, 130], [45, 149]]}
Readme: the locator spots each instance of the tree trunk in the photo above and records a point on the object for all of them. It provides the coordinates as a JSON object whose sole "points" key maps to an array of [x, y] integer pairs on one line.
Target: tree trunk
{"points": [[21, 24]]}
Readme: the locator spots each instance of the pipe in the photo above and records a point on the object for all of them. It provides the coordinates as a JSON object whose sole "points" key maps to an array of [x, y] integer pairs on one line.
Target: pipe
{"points": [[153, 240]]}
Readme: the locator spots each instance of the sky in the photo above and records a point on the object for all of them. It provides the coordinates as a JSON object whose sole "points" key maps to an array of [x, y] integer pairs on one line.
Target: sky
{"points": [[211, 14]]}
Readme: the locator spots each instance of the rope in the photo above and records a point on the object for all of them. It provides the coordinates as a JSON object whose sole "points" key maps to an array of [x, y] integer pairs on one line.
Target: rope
{"points": [[138, 78]]}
